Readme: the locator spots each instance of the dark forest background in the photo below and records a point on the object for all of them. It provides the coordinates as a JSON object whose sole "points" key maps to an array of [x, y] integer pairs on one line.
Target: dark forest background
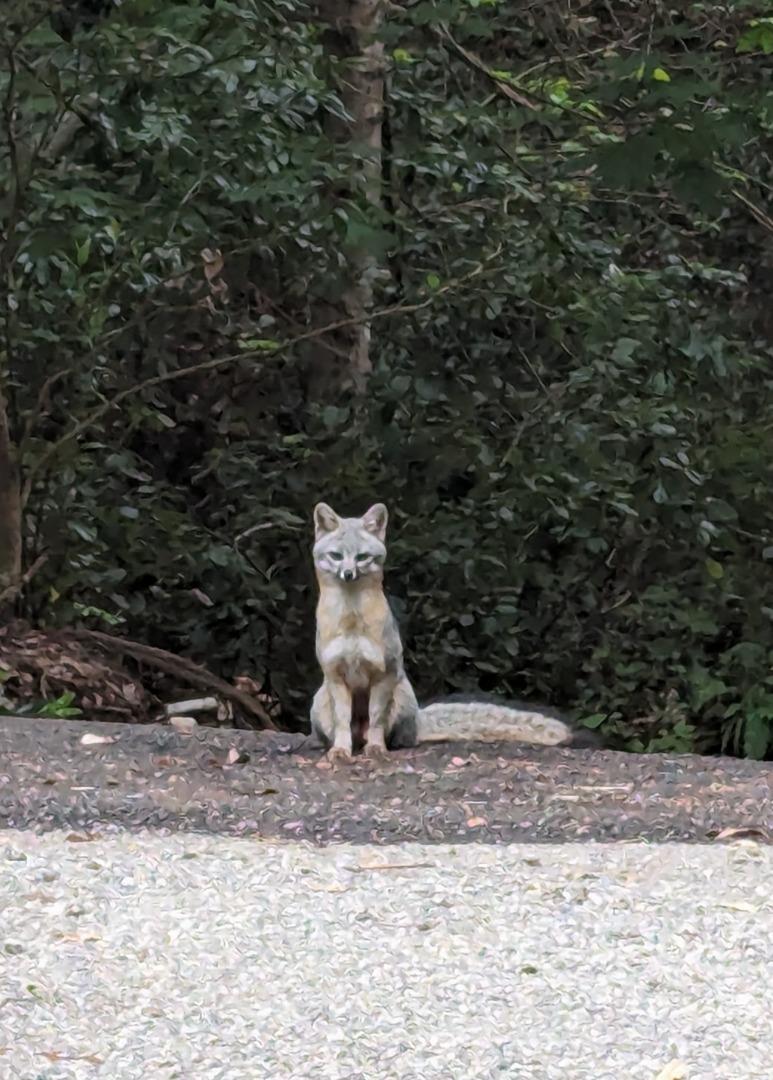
{"points": [[507, 266]]}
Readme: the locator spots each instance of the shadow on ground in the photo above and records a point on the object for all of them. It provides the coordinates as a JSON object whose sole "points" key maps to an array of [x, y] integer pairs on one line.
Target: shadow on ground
{"points": [[151, 776]]}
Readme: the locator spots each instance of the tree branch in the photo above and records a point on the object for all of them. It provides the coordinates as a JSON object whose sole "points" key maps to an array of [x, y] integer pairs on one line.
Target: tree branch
{"points": [[41, 406], [758, 214], [72, 121], [501, 85], [15, 588], [215, 363]]}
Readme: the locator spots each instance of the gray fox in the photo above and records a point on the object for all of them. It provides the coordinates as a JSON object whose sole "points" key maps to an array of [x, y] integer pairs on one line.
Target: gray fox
{"points": [[366, 698]]}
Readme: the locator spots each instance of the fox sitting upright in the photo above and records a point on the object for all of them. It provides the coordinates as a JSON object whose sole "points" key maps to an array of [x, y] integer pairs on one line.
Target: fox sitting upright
{"points": [[365, 697]]}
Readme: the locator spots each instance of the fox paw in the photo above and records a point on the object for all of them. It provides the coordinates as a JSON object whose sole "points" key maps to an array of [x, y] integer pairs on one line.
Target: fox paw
{"points": [[338, 756], [376, 752]]}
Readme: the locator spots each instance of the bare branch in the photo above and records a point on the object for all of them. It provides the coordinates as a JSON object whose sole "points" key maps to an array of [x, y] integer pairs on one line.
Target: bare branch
{"points": [[215, 363], [41, 406], [69, 126], [15, 588], [758, 214], [501, 85], [182, 668]]}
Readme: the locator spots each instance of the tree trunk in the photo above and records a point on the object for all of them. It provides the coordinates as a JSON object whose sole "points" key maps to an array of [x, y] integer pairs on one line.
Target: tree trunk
{"points": [[358, 61], [10, 515], [10, 493]]}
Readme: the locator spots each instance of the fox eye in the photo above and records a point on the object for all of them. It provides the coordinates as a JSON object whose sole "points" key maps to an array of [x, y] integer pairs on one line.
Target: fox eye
{"points": [[336, 556], [362, 558]]}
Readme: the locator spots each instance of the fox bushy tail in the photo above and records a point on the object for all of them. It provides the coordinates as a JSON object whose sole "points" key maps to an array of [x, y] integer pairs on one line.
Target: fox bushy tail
{"points": [[476, 720]]}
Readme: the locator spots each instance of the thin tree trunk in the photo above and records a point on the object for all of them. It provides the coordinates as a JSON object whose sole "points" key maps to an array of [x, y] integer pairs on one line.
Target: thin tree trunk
{"points": [[351, 40], [10, 494], [10, 515]]}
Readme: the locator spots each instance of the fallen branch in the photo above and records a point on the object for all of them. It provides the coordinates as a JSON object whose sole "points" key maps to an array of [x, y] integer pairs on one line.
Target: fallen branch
{"points": [[183, 669], [365, 867], [182, 708]]}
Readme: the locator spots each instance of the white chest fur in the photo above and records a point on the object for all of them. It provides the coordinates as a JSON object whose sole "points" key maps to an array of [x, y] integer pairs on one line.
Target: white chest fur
{"points": [[355, 658], [350, 634]]}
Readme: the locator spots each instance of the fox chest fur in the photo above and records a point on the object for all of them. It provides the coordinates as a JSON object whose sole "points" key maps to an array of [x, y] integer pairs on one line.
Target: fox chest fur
{"points": [[357, 640]]}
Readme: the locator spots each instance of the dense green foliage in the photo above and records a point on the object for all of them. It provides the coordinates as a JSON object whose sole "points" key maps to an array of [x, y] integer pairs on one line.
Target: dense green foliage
{"points": [[571, 421]]}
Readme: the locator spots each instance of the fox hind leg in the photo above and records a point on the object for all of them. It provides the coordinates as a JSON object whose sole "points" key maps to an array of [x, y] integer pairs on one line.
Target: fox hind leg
{"points": [[402, 724], [321, 716]]}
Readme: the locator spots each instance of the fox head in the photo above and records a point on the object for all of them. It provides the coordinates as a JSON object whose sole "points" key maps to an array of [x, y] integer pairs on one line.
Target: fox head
{"points": [[349, 548]]}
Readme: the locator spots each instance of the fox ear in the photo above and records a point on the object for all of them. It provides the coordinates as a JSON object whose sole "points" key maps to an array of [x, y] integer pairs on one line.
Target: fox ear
{"points": [[375, 520], [325, 519]]}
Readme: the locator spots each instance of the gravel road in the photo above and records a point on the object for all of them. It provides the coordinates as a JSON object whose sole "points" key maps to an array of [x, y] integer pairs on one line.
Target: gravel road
{"points": [[155, 955]]}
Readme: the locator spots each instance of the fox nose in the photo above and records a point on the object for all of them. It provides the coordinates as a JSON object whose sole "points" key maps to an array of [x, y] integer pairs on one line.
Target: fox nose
{"points": [[348, 575]]}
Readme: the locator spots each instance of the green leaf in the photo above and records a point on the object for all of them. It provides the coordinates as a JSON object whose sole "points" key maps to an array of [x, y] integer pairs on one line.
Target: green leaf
{"points": [[364, 237], [220, 555], [624, 350], [756, 736], [698, 183], [626, 164], [82, 251], [595, 720], [757, 37], [720, 510], [259, 344], [706, 687], [332, 416], [85, 532], [714, 569]]}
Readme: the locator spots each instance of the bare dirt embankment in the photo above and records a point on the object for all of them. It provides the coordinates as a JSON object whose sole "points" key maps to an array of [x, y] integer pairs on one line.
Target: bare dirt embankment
{"points": [[271, 785]]}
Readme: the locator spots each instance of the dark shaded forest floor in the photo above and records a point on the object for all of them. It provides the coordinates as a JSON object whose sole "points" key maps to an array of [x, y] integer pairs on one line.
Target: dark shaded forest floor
{"points": [[280, 786]]}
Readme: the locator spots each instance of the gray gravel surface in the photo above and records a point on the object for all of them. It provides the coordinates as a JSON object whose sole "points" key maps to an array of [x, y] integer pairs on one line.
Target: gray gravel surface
{"points": [[156, 955]]}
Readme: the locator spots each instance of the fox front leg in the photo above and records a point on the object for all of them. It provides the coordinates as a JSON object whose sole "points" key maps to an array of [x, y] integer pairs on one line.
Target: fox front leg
{"points": [[341, 699], [381, 700]]}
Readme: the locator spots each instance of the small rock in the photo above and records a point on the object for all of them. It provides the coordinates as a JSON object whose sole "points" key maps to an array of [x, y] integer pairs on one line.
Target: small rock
{"points": [[90, 739], [185, 724], [237, 757]]}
